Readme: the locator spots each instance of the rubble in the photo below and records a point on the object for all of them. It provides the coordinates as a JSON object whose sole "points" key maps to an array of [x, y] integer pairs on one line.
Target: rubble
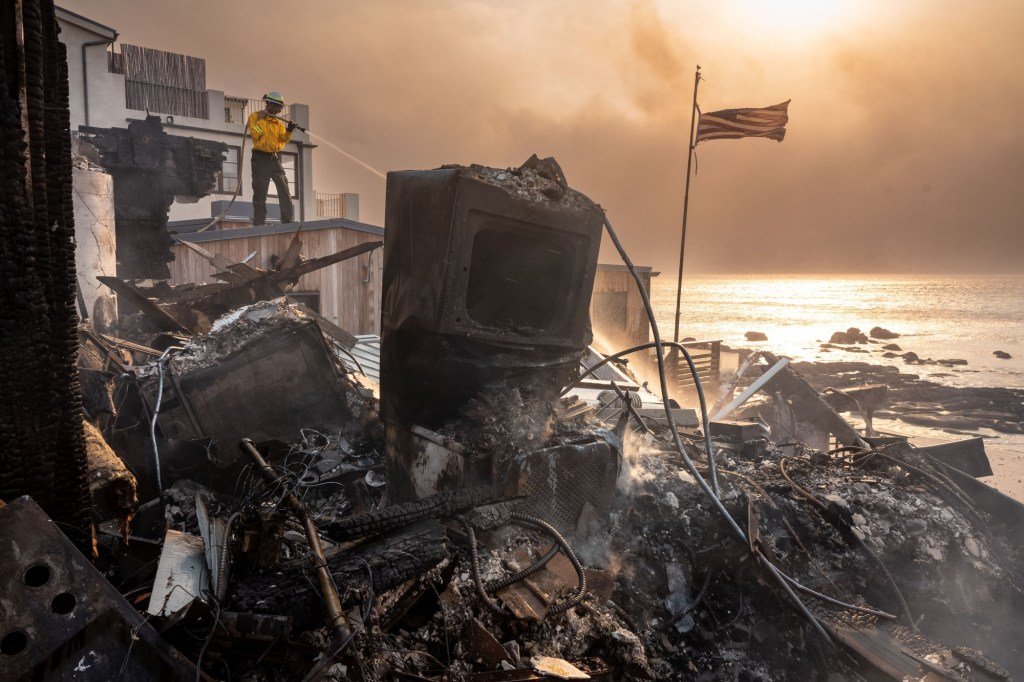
{"points": [[543, 537], [477, 515], [191, 308]]}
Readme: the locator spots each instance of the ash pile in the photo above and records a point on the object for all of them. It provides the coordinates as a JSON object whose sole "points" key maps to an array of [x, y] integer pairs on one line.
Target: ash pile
{"points": [[275, 499]]}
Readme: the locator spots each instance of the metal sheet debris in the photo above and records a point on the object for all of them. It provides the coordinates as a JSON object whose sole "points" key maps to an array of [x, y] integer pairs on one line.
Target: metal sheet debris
{"points": [[182, 576]]}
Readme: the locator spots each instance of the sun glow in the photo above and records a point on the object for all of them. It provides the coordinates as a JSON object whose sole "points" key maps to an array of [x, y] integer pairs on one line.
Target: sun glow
{"points": [[800, 18]]}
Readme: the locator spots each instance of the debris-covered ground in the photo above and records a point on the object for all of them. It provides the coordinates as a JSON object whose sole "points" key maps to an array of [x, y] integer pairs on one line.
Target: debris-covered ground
{"points": [[248, 503], [904, 572]]}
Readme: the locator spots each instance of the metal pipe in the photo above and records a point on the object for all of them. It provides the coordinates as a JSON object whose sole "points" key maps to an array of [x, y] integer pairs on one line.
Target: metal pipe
{"points": [[332, 603], [152, 422], [300, 184], [686, 201], [85, 72]]}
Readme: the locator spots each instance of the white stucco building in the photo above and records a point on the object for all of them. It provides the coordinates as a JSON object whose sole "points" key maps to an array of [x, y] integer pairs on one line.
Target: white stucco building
{"points": [[112, 84]]}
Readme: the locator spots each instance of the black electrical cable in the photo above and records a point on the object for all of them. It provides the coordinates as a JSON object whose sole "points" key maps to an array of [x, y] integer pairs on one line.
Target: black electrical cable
{"points": [[712, 494], [659, 347], [832, 600], [781, 578], [513, 578], [581, 590], [474, 555], [560, 543]]}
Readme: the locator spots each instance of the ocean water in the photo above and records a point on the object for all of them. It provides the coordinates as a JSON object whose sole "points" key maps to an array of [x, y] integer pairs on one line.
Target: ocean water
{"points": [[936, 317]]}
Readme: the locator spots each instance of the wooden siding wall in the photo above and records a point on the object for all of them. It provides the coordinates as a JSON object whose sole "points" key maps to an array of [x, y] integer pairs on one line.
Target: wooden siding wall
{"points": [[344, 298], [637, 328]]}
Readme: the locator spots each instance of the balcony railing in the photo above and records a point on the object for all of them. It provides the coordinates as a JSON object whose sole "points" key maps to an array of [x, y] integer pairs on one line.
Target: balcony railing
{"points": [[330, 205], [707, 360]]}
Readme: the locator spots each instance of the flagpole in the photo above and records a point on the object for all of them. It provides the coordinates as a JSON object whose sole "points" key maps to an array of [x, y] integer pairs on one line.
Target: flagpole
{"points": [[686, 201]]}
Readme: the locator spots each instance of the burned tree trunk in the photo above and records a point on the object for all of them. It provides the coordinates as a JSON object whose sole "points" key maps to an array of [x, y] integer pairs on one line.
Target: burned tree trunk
{"points": [[42, 450]]}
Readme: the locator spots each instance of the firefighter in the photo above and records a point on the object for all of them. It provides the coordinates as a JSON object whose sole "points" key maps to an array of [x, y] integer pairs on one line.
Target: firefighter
{"points": [[269, 136]]}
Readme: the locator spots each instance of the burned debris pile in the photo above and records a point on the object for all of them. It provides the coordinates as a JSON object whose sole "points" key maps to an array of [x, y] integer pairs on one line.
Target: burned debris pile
{"points": [[557, 545], [263, 509]]}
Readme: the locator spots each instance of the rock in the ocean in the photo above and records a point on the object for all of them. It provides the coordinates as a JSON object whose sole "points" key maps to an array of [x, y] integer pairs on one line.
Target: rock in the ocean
{"points": [[850, 336], [890, 354], [1002, 354], [910, 356], [941, 421], [755, 336], [882, 333], [952, 362], [891, 346]]}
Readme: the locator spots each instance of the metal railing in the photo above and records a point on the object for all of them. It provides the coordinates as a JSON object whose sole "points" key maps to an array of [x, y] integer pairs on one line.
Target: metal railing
{"points": [[707, 358], [330, 205]]}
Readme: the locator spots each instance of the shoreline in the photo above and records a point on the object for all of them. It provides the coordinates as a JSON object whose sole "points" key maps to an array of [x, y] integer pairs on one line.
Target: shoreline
{"points": [[925, 409], [956, 410]]}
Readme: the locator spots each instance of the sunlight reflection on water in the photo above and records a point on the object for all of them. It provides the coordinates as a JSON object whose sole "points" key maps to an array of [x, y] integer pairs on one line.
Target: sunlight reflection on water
{"points": [[963, 317]]}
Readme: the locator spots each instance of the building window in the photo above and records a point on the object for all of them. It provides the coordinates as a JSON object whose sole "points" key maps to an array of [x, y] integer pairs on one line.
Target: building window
{"points": [[234, 110], [227, 178], [289, 162]]}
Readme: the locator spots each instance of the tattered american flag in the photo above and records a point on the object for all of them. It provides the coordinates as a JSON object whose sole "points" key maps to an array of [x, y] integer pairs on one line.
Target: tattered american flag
{"points": [[730, 124]]}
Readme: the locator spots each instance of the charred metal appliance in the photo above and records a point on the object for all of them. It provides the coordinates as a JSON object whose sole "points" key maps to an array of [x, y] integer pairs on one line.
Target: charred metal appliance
{"points": [[488, 275]]}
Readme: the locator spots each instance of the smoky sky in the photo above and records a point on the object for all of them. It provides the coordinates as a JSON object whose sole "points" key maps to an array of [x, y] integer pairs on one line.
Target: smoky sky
{"points": [[904, 152]]}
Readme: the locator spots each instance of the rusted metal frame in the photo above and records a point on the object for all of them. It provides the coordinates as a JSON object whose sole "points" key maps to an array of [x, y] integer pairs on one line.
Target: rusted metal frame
{"points": [[328, 590]]}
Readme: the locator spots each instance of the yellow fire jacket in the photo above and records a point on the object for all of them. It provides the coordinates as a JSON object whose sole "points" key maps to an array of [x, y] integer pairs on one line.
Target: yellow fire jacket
{"points": [[268, 134]]}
